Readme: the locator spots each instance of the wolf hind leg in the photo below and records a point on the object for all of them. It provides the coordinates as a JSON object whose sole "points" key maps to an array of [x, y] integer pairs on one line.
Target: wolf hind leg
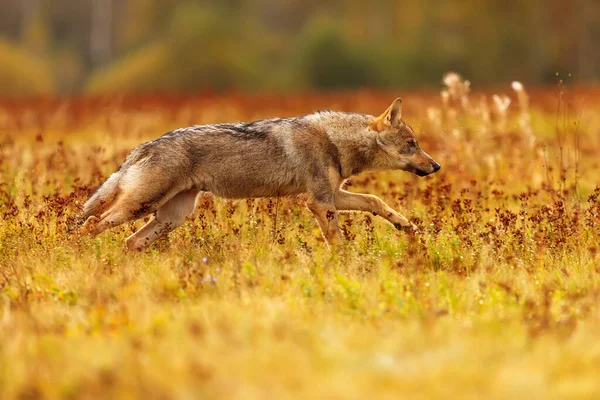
{"points": [[168, 217], [130, 205], [118, 214]]}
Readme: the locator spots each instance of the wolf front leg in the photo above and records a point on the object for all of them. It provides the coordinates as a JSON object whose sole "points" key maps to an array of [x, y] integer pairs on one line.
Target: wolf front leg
{"points": [[326, 215], [367, 202]]}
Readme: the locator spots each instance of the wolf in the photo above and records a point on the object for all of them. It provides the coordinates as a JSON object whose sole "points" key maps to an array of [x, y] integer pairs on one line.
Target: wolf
{"points": [[311, 155]]}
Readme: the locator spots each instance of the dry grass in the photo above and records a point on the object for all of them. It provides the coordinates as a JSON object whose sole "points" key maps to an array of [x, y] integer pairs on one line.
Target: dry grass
{"points": [[497, 297]]}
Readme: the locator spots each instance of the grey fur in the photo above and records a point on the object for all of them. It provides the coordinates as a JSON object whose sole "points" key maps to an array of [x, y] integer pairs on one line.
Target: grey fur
{"points": [[311, 155]]}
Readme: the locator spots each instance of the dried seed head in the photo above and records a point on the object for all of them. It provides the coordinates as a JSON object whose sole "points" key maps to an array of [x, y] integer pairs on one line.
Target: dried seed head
{"points": [[502, 103], [517, 86]]}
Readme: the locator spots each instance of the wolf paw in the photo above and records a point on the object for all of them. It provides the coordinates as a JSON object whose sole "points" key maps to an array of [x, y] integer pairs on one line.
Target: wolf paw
{"points": [[133, 245], [410, 228], [88, 227]]}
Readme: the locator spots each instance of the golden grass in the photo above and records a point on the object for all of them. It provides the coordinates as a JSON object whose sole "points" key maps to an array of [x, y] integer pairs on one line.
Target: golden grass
{"points": [[497, 297]]}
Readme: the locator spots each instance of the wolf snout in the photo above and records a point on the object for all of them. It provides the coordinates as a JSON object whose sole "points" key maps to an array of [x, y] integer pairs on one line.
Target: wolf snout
{"points": [[435, 167]]}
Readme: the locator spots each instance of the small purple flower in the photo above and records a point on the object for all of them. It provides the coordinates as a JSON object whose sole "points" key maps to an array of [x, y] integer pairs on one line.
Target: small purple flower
{"points": [[209, 279]]}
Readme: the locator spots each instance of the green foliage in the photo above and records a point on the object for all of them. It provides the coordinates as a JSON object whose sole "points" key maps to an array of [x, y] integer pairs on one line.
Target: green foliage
{"points": [[401, 66], [326, 60], [197, 51], [324, 57], [143, 69], [22, 73], [187, 45]]}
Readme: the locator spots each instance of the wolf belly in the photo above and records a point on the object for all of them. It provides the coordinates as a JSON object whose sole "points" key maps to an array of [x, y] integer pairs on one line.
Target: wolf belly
{"points": [[242, 183]]}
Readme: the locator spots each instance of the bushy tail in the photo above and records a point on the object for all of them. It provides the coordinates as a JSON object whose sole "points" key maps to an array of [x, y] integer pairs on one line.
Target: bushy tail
{"points": [[102, 198]]}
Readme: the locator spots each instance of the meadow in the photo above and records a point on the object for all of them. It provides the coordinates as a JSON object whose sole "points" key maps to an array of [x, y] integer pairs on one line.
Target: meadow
{"points": [[495, 297]]}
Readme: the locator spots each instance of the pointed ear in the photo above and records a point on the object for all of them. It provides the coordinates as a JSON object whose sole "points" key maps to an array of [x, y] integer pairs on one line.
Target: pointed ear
{"points": [[391, 117]]}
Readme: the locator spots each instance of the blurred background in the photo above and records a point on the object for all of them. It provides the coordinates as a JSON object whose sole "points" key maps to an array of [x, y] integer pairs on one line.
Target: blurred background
{"points": [[96, 46]]}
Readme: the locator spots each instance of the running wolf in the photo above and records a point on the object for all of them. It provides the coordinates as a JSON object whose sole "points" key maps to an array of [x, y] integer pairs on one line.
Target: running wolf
{"points": [[310, 155]]}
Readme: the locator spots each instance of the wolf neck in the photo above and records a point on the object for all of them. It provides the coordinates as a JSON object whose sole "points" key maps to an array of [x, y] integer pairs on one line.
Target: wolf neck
{"points": [[355, 141]]}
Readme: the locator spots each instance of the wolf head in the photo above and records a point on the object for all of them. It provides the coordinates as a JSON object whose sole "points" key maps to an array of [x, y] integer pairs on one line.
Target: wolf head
{"points": [[399, 143]]}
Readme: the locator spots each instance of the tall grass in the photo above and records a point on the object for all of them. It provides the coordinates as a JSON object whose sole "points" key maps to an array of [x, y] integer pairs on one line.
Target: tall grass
{"points": [[496, 297]]}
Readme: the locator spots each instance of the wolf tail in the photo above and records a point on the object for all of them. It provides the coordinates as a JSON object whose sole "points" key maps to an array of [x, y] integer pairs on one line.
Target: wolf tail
{"points": [[102, 198], [106, 194]]}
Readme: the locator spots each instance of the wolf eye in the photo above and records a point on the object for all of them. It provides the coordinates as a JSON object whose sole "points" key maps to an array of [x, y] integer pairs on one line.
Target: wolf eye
{"points": [[411, 143]]}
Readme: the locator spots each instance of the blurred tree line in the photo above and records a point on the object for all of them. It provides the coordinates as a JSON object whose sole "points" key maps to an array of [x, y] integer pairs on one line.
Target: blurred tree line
{"points": [[67, 46]]}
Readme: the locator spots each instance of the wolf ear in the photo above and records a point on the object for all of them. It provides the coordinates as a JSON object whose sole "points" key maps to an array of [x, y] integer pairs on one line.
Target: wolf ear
{"points": [[391, 117]]}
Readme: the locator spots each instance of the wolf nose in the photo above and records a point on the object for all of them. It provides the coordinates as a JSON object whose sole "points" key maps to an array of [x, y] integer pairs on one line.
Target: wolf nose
{"points": [[436, 167]]}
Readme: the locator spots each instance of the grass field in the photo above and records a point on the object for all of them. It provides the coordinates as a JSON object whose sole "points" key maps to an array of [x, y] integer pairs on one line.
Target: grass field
{"points": [[496, 296]]}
